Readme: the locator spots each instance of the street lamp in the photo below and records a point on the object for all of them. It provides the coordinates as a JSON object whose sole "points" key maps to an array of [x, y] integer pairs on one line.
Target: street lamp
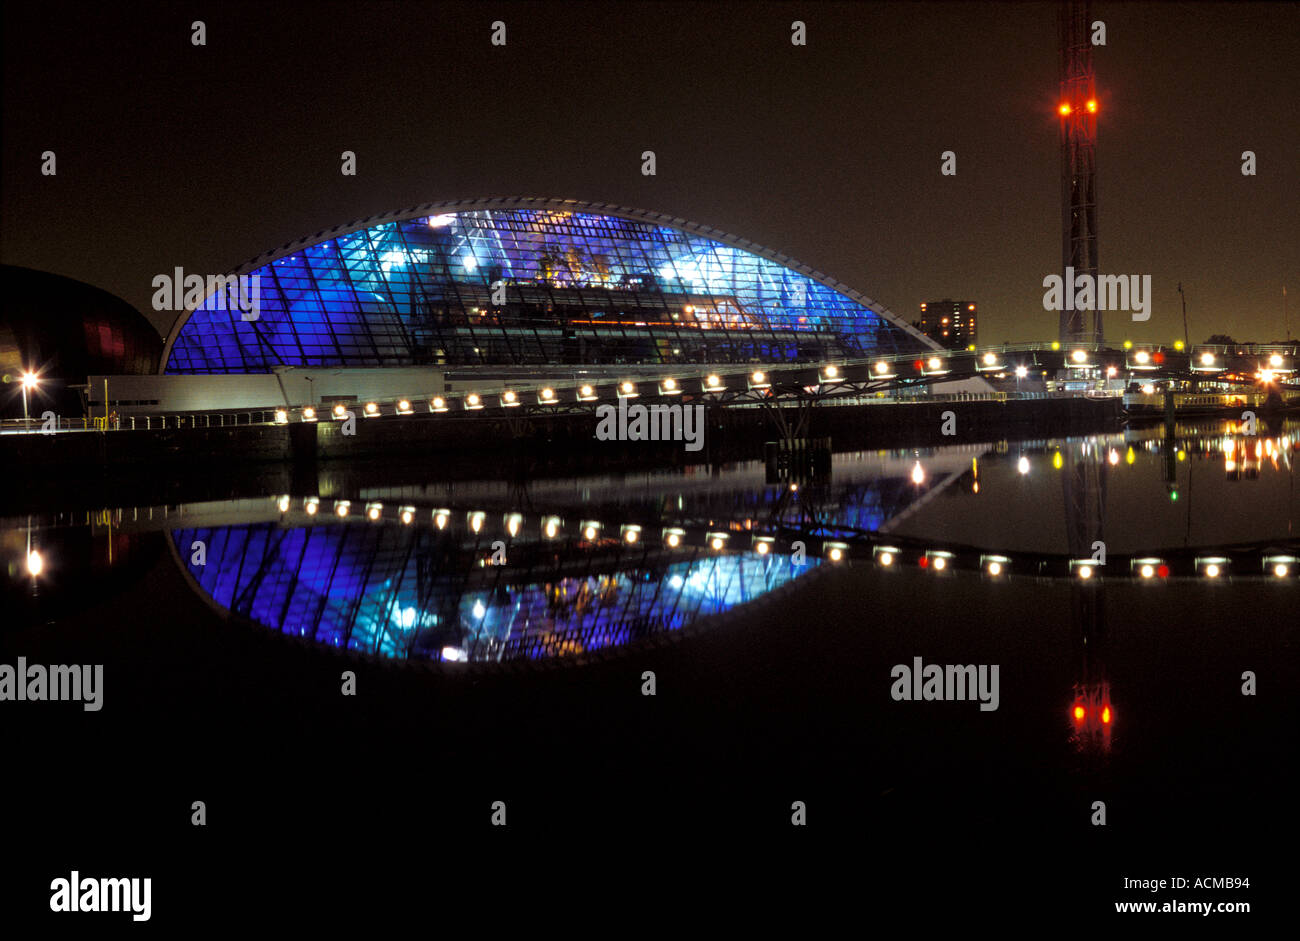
{"points": [[29, 382]]}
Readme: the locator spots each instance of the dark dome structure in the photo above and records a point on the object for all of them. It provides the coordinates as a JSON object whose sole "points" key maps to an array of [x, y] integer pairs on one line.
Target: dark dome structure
{"points": [[65, 330]]}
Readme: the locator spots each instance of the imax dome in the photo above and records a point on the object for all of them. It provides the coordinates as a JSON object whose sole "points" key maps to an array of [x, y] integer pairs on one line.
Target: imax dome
{"points": [[530, 281]]}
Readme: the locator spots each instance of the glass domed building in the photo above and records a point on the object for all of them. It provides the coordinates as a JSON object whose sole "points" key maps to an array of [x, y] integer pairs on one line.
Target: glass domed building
{"points": [[530, 282]]}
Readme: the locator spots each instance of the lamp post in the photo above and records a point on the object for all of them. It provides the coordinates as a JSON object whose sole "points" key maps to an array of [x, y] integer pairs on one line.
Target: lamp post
{"points": [[29, 382]]}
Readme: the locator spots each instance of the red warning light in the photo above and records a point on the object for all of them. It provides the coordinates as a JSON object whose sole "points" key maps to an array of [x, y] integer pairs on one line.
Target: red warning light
{"points": [[920, 365], [924, 561], [1064, 109], [1092, 107], [1163, 571], [1105, 715], [1158, 357], [1078, 713]]}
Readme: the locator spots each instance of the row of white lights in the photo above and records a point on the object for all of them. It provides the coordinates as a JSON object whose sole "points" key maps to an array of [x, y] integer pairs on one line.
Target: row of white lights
{"points": [[882, 369], [938, 560]]}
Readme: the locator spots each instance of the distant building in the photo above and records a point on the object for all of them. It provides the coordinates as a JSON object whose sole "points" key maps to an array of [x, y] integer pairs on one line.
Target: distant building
{"points": [[951, 324]]}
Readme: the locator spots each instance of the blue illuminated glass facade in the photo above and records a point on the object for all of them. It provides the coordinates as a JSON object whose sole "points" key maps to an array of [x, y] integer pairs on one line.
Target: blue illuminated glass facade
{"points": [[406, 592], [529, 285]]}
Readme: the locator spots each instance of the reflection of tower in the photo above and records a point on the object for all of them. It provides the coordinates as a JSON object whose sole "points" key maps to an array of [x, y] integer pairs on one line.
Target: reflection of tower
{"points": [[1083, 485], [1078, 112]]}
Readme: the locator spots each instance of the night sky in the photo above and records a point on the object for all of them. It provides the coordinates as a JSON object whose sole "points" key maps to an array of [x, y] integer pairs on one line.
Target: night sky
{"points": [[171, 155]]}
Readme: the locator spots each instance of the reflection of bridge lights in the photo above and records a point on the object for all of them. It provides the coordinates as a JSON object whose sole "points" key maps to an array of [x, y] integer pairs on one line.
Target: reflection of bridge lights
{"points": [[476, 519], [440, 518], [1079, 713], [762, 548], [513, 522], [311, 505], [1148, 389], [1266, 376], [1111, 372], [590, 531], [551, 527], [1212, 566], [717, 541], [342, 507], [35, 563], [918, 474], [885, 555], [479, 610], [673, 537], [1085, 571], [995, 568], [1105, 715], [1130, 456], [631, 533], [1280, 570], [282, 504], [676, 581], [408, 515], [1057, 461], [454, 654], [1022, 465], [374, 511], [1021, 372], [1147, 571], [1112, 457]]}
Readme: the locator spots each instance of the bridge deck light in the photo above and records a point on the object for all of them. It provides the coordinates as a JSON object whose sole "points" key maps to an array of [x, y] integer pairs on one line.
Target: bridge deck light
{"points": [[374, 511], [310, 505], [1142, 356], [1092, 107], [758, 380], [437, 404], [340, 410], [1275, 360], [510, 398], [1079, 356], [1207, 358], [673, 537], [717, 541], [1021, 372], [935, 362], [372, 409], [587, 393], [407, 515], [546, 396], [885, 555], [281, 416], [472, 401], [831, 372], [309, 414], [990, 359], [404, 407], [591, 529], [881, 368], [627, 390], [342, 507], [669, 386]]}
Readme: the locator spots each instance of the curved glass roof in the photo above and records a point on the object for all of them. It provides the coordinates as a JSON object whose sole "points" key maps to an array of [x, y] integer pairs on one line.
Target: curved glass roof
{"points": [[544, 283]]}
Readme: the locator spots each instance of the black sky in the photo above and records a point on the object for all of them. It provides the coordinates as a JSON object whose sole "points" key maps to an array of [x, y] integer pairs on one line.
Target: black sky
{"points": [[171, 155]]}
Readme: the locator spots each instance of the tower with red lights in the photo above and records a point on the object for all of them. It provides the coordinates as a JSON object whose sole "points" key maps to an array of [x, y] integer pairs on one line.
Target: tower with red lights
{"points": [[1077, 109]]}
